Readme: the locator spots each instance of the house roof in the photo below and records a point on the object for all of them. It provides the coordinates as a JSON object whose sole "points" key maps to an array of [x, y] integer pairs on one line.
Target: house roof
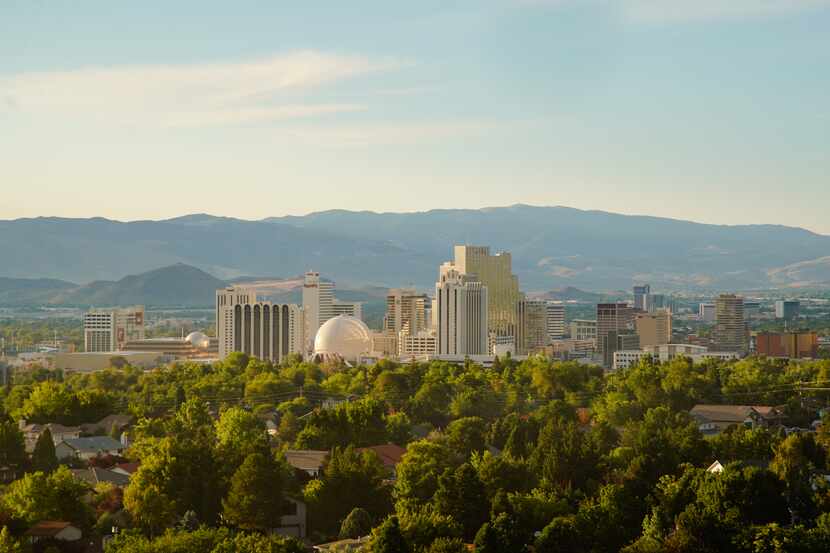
{"points": [[107, 422], [53, 427], [95, 475], [306, 459], [723, 413], [93, 444], [129, 468], [390, 454], [48, 528]]}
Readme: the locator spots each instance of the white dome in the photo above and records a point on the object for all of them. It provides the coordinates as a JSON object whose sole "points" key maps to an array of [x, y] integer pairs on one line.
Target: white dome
{"points": [[198, 340], [344, 336]]}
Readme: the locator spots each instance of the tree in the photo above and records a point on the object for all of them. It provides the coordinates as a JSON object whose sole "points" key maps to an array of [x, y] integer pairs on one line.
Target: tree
{"points": [[418, 474], [239, 433], [350, 479], [467, 435], [289, 427], [796, 461], [560, 536], [7, 543], [462, 496], [58, 496], [357, 524], [151, 508], [388, 538], [564, 457], [12, 446], [501, 534], [44, 458], [255, 500]]}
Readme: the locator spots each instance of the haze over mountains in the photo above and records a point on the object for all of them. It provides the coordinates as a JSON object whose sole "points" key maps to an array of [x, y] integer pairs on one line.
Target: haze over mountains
{"points": [[552, 247]]}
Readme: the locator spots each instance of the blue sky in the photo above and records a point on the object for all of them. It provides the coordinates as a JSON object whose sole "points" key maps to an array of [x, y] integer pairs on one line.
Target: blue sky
{"points": [[707, 110]]}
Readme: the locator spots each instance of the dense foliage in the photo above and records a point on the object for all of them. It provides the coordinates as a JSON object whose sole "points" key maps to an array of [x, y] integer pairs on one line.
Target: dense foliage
{"points": [[547, 454]]}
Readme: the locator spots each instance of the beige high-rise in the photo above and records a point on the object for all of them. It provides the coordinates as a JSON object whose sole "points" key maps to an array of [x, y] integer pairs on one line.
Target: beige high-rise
{"points": [[405, 311], [655, 328], [496, 273]]}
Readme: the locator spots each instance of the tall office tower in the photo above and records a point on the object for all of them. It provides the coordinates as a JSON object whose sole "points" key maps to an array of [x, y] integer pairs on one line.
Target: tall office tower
{"points": [[260, 328], [405, 310], [461, 306], [583, 329], [706, 312], [616, 318], [654, 329], [532, 328], [318, 305], [555, 321], [655, 302], [350, 308], [109, 329], [228, 297], [496, 274], [730, 333], [641, 294], [787, 309]]}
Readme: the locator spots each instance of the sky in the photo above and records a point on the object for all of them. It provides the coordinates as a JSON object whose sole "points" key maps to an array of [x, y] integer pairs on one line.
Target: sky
{"points": [[709, 110]]}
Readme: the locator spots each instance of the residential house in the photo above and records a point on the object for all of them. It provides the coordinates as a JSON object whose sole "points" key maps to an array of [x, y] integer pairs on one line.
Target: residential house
{"points": [[713, 419], [87, 448], [309, 461], [294, 522], [390, 455], [31, 433], [53, 530]]}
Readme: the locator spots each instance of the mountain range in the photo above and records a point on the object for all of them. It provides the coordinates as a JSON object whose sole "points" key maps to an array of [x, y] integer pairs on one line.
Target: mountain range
{"points": [[552, 247]]}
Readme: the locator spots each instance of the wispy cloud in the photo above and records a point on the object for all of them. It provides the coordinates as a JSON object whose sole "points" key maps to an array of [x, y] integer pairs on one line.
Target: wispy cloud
{"points": [[190, 95], [668, 11]]}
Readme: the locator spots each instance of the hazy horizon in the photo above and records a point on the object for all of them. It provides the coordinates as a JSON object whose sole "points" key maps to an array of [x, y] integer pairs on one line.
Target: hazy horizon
{"points": [[484, 208]]}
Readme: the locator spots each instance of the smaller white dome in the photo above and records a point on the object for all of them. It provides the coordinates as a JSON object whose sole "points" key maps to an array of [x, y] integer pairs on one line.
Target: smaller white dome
{"points": [[198, 340], [344, 336]]}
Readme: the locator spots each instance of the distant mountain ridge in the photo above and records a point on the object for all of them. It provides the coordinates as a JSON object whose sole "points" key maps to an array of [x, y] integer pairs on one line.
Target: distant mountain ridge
{"points": [[552, 247], [176, 285]]}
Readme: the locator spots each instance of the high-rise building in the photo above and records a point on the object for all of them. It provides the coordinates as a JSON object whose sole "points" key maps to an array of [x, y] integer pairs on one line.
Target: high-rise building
{"points": [[318, 305], [582, 329], [706, 312], [461, 306], [794, 345], [614, 341], [555, 321], [612, 317], [109, 329], [641, 294], [730, 332], [405, 310], [654, 329], [350, 308], [259, 328], [655, 302], [787, 309], [227, 298], [532, 328], [419, 344], [494, 272]]}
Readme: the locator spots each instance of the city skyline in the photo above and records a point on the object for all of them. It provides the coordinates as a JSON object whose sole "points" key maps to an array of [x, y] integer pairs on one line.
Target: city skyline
{"points": [[629, 107]]}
